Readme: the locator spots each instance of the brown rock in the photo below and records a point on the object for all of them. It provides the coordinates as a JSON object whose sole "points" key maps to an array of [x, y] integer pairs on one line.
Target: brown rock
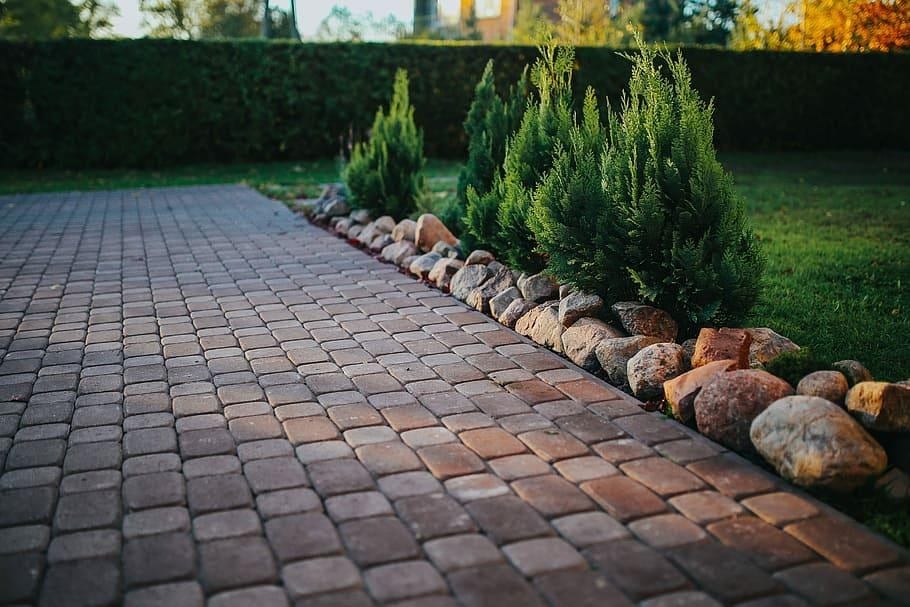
{"points": [[614, 354], [355, 231], [830, 385], [639, 319], [407, 261], [539, 287], [814, 443], [430, 230], [467, 279], [396, 252], [342, 225], [385, 224], [578, 305], [880, 405], [423, 265], [722, 344], [405, 230], [580, 340], [479, 298], [367, 234], [853, 370], [726, 406], [652, 366], [479, 256], [516, 310], [542, 325], [767, 345], [380, 242], [499, 303], [442, 273], [680, 392]]}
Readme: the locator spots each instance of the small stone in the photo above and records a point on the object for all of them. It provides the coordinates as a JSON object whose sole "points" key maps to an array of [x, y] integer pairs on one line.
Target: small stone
{"points": [[479, 298], [479, 256], [689, 347], [355, 231], [542, 325], [380, 242], [424, 264], [725, 408], [499, 303], [467, 279], [722, 344], [564, 291], [880, 406], [407, 261], [895, 484], [516, 310], [361, 216], [614, 354], [767, 345], [336, 208], [442, 273], [853, 370], [652, 366], [367, 235], [639, 319], [680, 392], [578, 305], [342, 225], [430, 230], [446, 250], [396, 252], [405, 230], [580, 340], [384, 225], [830, 385], [538, 288], [814, 443]]}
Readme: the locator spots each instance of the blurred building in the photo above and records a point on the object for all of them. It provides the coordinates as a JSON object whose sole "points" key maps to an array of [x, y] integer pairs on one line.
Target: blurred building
{"points": [[486, 20]]}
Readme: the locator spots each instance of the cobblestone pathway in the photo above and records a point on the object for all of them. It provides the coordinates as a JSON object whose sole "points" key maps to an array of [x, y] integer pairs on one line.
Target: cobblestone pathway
{"points": [[204, 398]]}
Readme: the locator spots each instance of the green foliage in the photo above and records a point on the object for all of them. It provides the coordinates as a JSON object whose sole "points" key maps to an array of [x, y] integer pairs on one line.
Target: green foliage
{"points": [[793, 366], [384, 172], [40, 19]]}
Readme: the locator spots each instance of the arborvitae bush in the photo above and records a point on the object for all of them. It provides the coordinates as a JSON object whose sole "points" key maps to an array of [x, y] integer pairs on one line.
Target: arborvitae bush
{"points": [[384, 172], [499, 217], [666, 227]]}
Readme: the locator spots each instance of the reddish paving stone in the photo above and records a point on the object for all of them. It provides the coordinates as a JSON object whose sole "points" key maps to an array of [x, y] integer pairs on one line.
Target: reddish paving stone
{"points": [[624, 498], [434, 515], [377, 540], [723, 572], [662, 476], [533, 557], [764, 544], [388, 458], [637, 570], [845, 544], [780, 508], [508, 519], [704, 507], [409, 417], [824, 584], [552, 445], [490, 443], [519, 466], [732, 476], [666, 531], [588, 391], [310, 429], [534, 391], [446, 461], [892, 583], [462, 551], [622, 450], [551, 495], [492, 585]]}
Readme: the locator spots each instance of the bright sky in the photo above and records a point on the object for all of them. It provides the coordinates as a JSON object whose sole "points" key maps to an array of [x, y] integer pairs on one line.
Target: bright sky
{"points": [[309, 13]]}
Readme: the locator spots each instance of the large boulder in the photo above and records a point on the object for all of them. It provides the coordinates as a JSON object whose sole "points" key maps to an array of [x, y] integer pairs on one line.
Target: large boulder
{"points": [[580, 340], [499, 303], [479, 297], [725, 408], [539, 287], [431, 230], [830, 385], [467, 279], [542, 325], [767, 345], [853, 370], [722, 344], [614, 354], [423, 265], [639, 319], [680, 392], [405, 230], [814, 443], [578, 305], [397, 251], [515, 311], [442, 272], [881, 406], [652, 366], [479, 256]]}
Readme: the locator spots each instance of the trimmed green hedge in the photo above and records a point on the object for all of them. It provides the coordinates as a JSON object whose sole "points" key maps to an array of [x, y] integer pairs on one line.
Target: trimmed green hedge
{"points": [[141, 103]]}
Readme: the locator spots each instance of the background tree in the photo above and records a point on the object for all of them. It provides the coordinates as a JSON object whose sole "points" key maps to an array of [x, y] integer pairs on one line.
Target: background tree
{"points": [[171, 18], [34, 19], [229, 18], [592, 22], [531, 24], [342, 25]]}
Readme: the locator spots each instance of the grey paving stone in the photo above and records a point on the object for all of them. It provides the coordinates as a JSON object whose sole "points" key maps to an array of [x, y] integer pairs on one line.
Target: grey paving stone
{"points": [[102, 543], [81, 582], [24, 506], [222, 492], [156, 521], [236, 562], [158, 558], [178, 594], [89, 510], [154, 490]]}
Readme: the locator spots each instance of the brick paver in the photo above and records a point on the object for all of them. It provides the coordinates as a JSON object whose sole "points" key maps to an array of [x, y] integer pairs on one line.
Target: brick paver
{"points": [[204, 398]]}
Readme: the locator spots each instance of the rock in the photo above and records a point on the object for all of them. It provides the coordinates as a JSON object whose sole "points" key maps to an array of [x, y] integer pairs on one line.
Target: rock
{"points": [[430, 230], [423, 265], [446, 250], [479, 297], [895, 483], [467, 279], [355, 231], [516, 310], [830, 385], [385, 224], [767, 345], [308, 206], [722, 344], [479, 256], [405, 230], [580, 340], [689, 347], [361, 216], [578, 305], [539, 287], [639, 319], [680, 392], [652, 366], [564, 291], [853, 370], [542, 325], [381, 242], [336, 208], [814, 443], [343, 225], [614, 354], [499, 303], [726, 406], [442, 272], [397, 251], [880, 406], [407, 261], [368, 234]]}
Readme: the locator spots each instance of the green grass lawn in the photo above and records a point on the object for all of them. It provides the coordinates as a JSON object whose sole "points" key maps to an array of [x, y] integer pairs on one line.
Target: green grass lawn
{"points": [[835, 228]]}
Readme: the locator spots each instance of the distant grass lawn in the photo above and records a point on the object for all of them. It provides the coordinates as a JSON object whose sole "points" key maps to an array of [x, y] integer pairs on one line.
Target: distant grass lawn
{"points": [[835, 229]]}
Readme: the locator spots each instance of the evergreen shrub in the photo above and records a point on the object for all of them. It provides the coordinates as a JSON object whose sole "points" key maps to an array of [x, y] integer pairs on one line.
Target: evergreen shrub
{"points": [[383, 174]]}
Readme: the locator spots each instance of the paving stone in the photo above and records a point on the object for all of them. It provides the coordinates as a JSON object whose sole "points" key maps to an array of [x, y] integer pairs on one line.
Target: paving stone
{"points": [[339, 476], [262, 596], [722, 572], [226, 524], [403, 580], [155, 521], [302, 536], [222, 492], [154, 490], [87, 581], [508, 519], [274, 473], [320, 575], [844, 543], [588, 528], [357, 505], [434, 515], [287, 501], [551, 495], [376, 540], [542, 555], [492, 585], [21, 576], [639, 571], [89, 510], [462, 551], [623, 498], [158, 558], [236, 562], [579, 588], [179, 594], [389, 458], [25, 538]]}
